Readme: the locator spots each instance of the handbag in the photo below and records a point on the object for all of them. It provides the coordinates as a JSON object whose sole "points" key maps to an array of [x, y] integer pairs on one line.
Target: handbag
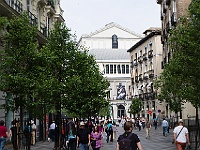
{"points": [[93, 143], [177, 135]]}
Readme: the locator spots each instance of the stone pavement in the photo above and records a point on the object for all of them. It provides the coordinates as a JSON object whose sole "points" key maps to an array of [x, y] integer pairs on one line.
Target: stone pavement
{"points": [[156, 142]]}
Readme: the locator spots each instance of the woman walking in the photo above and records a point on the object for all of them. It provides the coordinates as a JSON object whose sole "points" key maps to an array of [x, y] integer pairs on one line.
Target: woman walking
{"points": [[96, 139], [72, 136]]}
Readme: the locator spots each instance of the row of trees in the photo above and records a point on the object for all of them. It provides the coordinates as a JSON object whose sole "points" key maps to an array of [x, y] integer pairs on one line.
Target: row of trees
{"points": [[49, 78]]}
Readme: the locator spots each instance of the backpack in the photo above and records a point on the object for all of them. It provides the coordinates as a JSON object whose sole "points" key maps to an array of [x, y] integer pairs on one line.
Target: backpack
{"points": [[110, 129], [125, 143]]}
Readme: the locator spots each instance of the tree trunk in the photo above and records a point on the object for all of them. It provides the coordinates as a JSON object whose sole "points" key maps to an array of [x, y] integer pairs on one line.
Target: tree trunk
{"points": [[197, 127]]}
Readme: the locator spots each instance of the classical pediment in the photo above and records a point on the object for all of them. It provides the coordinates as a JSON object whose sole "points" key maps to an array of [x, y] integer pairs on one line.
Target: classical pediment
{"points": [[112, 28]]}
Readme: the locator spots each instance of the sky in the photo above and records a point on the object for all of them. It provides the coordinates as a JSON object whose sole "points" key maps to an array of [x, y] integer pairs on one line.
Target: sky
{"points": [[86, 16]]}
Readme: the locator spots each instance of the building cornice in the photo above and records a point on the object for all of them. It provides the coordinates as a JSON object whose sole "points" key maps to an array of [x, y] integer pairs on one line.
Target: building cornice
{"points": [[156, 32]]}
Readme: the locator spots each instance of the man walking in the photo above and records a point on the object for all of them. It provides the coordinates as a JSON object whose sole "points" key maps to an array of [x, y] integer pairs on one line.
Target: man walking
{"points": [[165, 126], [83, 137], [181, 136], [148, 127]]}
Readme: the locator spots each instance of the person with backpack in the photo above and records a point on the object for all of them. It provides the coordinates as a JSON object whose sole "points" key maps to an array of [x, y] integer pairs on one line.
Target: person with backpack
{"points": [[109, 132], [128, 140]]}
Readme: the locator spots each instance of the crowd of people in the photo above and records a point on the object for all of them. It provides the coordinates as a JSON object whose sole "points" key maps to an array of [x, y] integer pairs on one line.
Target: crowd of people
{"points": [[84, 134]]}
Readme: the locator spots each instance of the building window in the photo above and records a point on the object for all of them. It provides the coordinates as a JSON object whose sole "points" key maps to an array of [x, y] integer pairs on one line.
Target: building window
{"points": [[115, 69], [114, 41], [28, 5], [111, 69], [123, 69], [118, 69], [107, 69], [127, 69]]}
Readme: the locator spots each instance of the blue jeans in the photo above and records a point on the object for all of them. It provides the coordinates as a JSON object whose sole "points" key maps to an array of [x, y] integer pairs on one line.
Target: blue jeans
{"points": [[165, 131], [83, 146], [2, 143]]}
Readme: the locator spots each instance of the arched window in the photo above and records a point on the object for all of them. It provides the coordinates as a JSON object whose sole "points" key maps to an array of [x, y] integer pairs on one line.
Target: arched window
{"points": [[114, 41]]}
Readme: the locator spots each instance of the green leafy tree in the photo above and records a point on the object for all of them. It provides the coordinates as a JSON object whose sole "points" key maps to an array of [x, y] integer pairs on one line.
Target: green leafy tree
{"points": [[17, 66], [136, 106]]}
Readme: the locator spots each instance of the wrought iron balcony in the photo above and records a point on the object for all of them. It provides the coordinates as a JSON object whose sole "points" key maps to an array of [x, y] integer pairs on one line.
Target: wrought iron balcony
{"points": [[140, 59], [140, 77], [51, 3], [43, 29], [173, 19], [150, 54], [136, 79], [15, 4], [135, 62], [33, 18]]}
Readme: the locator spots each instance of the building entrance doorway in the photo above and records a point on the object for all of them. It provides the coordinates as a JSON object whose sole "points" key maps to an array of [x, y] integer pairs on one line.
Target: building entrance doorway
{"points": [[121, 111]]}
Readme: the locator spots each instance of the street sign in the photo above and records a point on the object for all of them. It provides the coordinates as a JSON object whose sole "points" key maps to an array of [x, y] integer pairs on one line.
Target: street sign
{"points": [[150, 112]]}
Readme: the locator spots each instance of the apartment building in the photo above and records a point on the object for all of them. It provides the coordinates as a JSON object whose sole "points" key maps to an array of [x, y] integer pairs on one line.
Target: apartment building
{"points": [[146, 57], [109, 46], [171, 11], [44, 14]]}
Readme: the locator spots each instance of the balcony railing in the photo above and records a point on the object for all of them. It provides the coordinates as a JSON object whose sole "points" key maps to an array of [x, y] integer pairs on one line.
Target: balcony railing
{"points": [[140, 59], [15, 4], [51, 3], [33, 18], [43, 29], [150, 54], [173, 19], [136, 79], [135, 62], [140, 77]]}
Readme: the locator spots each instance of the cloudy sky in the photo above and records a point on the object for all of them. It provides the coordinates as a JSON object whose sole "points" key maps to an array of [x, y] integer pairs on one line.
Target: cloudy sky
{"points": [[86, 16]]}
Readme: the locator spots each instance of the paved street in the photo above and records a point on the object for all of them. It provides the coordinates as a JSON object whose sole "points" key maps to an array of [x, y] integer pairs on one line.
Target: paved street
{"points": [[156, 141]]}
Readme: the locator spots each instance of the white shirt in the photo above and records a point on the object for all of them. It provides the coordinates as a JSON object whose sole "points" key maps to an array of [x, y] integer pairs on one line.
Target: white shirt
{"points": [[164, 123], [52, 126], [182, 135]]}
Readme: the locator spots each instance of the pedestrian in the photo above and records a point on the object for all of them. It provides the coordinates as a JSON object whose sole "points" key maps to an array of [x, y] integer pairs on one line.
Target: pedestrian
{"points": [[33, 131], [128, 139], [83, 137], [181, 136], [109, 132], [164, 126], [14, 130], [114, 128], [96, 139], [143, 123], [71, 136], [3, 135], [155, 123], [148, 127], [52, 131]]}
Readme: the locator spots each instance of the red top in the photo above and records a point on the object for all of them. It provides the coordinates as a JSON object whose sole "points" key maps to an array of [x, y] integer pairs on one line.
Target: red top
{"points": [[3, 131]]}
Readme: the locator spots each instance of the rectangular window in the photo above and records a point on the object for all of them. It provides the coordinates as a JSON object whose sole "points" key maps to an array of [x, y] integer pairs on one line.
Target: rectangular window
{"points": [[115, 69], [28, 5], [118, 69], [127, 69], [123, 69], [107, 69], [135, 55], [111, 69]]}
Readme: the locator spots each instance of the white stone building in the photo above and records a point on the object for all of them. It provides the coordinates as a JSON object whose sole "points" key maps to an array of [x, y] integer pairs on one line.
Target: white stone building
{"points": [[109, 45]]}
